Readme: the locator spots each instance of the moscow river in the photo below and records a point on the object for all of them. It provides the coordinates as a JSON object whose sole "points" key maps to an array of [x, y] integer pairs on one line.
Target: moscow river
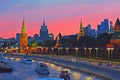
{"points": [[22, 71]]}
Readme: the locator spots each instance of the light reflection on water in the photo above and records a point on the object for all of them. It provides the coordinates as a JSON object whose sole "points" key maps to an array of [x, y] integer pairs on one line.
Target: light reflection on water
{"points": [[23, 71]]}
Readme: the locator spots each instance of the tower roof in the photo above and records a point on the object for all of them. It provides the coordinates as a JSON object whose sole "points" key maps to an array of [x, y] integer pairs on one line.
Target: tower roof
{"points": [[44, 23], [81, 27], [23, 26], [117, 22]]}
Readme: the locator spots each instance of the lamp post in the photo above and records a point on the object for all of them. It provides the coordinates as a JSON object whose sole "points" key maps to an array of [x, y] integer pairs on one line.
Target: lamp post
{"points": [[112, 53], [96, 49], [108, 49], [61, 50], [90, 50], [12, 49], [76, 51], [67, 49], [58, 50], [47, 50], [85, 51], [52, 48]]}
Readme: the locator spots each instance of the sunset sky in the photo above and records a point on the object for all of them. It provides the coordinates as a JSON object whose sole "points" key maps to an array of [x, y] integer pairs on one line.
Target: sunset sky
{"points": [[60, 15]]}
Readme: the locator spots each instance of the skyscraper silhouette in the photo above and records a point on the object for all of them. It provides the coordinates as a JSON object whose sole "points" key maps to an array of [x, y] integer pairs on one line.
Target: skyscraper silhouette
{"points": [[44, 32]]}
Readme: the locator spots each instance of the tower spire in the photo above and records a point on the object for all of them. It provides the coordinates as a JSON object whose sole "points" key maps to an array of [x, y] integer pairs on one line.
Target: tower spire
{"points": [[44, 22], [81, 28], [23, 26], [81, 32]]}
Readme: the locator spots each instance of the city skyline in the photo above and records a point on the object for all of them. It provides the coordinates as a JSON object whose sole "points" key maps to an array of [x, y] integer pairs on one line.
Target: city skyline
{"points": [[60, 16]]}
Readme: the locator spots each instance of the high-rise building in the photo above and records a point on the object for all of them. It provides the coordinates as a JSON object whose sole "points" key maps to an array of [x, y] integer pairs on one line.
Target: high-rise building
{"points": [[115, 41], [18, 37], [87, 30], [81, 31], [103, 27], [44, 32], [23, 38], [111, 26]]}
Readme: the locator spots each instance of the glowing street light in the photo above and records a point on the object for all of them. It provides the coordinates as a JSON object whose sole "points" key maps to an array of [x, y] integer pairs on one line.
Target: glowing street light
{"points": [[52, 49], [90, 50], [67, 49], [59, 50], [76, 51], [96, 51], [110, 51]]}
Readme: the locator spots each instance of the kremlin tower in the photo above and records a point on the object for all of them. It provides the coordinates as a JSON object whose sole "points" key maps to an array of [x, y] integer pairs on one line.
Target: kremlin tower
{"points": [[115, 41], [81, 32], [23, 38], [58, 38]]}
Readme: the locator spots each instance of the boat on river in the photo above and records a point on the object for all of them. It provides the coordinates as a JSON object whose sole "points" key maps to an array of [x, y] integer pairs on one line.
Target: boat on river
{"points": [[65, 75], [42, 69], [26, 60]]}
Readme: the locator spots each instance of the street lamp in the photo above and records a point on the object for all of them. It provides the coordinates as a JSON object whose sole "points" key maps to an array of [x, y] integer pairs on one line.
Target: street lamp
{"points": [[112, 52], [108, 49], [47, 50], [85, 51], [90, 50], [96, 49], [76, 51], [52, 48], [59, 50], [67, 48]]}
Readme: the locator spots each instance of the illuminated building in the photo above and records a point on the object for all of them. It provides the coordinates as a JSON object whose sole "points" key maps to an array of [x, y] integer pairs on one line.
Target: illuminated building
{"points": [[115, 41], [23, 38], [81, 32], [58, 38]]}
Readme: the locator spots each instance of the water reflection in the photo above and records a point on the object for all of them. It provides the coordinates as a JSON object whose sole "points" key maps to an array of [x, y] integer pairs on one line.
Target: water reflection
{"points": [[27, 72], [17, 59], [89, 78], [76, 75]]}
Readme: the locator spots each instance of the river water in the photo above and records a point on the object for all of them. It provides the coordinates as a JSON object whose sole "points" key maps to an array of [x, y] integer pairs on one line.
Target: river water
{"points": [[23, 71]]}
